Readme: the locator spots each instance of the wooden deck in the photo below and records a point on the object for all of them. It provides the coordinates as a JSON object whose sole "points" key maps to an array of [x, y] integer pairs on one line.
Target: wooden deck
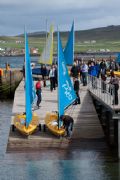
{"points": [[86, 123]]}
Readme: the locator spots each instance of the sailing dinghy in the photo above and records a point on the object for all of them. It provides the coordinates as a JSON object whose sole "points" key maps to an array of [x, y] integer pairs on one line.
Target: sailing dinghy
{"points": [[27, 122], [69, 48], [47, 54], [66, 95]]}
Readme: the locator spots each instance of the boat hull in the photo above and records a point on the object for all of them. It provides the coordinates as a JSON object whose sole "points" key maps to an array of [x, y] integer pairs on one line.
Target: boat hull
{"points": [[19, 123], [51, 123], [117, 73]]}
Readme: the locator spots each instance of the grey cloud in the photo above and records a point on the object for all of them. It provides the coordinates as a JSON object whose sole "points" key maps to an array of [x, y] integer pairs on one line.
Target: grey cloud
{"points": [[87, 14]]}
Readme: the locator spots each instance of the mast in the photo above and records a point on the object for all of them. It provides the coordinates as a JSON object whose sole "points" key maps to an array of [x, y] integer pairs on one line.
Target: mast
{"points": [[28, 83], [73, 39], [46, 40], [66, 93], [58, 59], [25, 57]]}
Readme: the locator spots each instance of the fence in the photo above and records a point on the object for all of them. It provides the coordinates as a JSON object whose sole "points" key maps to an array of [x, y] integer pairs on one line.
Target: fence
{"points": [[102, 89]]}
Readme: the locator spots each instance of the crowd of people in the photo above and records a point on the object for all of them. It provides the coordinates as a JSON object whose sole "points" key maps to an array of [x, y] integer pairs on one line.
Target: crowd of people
{"points": [[93, 69], [79, 72]]}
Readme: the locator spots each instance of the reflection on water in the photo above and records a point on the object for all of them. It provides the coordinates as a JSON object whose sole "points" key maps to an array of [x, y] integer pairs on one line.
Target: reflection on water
{"points": [[94, 163]]}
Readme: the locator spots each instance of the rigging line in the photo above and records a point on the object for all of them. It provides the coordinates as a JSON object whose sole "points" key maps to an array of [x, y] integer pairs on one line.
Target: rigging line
{"points": [[71, 109]]}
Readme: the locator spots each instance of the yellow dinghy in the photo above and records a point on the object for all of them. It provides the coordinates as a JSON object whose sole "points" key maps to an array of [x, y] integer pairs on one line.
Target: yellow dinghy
{"points": [[19, 123], [28, 122], [51, 121], [66, 93], [117, 73]]}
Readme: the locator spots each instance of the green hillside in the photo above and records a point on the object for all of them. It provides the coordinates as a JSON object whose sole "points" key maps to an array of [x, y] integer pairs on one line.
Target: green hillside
{"points": [[85, 40]]}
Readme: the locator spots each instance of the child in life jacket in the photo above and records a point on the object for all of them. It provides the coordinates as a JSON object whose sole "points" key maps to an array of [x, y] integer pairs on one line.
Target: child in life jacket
{"points": [[38, 92]]}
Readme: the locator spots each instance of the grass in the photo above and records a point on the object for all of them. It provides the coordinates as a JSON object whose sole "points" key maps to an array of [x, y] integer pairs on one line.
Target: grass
{"points": [[39, 42]]}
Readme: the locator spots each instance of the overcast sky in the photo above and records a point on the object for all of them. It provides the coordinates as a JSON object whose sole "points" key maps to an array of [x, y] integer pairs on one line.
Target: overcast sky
{"points": [[14, 14]]}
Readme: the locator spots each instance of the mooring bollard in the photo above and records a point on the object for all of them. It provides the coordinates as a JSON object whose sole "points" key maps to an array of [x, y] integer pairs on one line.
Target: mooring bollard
{"points": [[119, 138], [39, 127], [44, 127], [13, 128]]}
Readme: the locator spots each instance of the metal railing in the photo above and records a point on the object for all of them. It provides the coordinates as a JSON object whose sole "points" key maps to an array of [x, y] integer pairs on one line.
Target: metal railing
{"points": [[102, 89]]}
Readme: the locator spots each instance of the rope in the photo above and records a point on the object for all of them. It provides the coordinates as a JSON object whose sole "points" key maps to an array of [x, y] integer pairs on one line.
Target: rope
{"points": [[71, 109]]}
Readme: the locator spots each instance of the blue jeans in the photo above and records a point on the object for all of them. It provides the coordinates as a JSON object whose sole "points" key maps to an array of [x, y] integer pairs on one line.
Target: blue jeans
{"points": [[38, 92], [69, 130], [84, 77]]}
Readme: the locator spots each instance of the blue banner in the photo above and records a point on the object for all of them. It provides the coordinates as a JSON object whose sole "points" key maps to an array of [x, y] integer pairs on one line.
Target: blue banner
{"points": [[28, 83], [118, 59], [69, 49], [66, 93]]}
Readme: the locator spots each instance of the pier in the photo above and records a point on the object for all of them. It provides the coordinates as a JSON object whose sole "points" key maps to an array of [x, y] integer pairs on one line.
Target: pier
{"points": [[87, 128], [108, 112], [9, 80]]}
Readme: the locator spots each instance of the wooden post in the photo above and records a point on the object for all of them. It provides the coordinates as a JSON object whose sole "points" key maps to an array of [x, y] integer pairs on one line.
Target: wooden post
{"points": [[117, 117], [107, 130], [116, 133], [119, 138], [110, 128]]}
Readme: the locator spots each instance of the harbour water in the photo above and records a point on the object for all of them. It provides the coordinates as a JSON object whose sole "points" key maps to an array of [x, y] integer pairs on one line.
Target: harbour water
{"points": [[17, 62], [93, 161], [90, 162]]}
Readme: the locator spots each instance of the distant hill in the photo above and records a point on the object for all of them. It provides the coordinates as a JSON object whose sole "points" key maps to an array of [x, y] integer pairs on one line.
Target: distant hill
{"points": [[91, 40], [108, 33]]}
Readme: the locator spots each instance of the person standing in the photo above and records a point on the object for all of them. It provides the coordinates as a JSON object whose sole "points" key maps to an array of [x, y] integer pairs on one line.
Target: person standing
{"points": [[44, 74], [103, 83], [84, 70], [93, 73], [115, 82], [56, 76], [38, 92], [52, 78], [74, 71], [76, 88]]}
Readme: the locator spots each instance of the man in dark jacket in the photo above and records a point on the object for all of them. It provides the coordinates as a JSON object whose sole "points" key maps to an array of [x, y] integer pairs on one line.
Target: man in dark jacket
{"points": [[44, 74], [76, 88], [68, 124], [74, 71]]}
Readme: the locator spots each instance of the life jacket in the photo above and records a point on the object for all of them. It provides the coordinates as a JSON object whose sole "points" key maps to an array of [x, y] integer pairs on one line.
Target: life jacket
{"points": [[38, 85], [1, 72]]}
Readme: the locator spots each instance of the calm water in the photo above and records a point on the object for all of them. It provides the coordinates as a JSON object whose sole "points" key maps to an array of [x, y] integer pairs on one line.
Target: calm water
{"points": [[17, 62], [93, 161]]}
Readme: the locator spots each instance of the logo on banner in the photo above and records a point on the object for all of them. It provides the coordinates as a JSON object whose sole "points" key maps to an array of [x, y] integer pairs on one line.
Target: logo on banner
{"points": [[67, 90]]}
